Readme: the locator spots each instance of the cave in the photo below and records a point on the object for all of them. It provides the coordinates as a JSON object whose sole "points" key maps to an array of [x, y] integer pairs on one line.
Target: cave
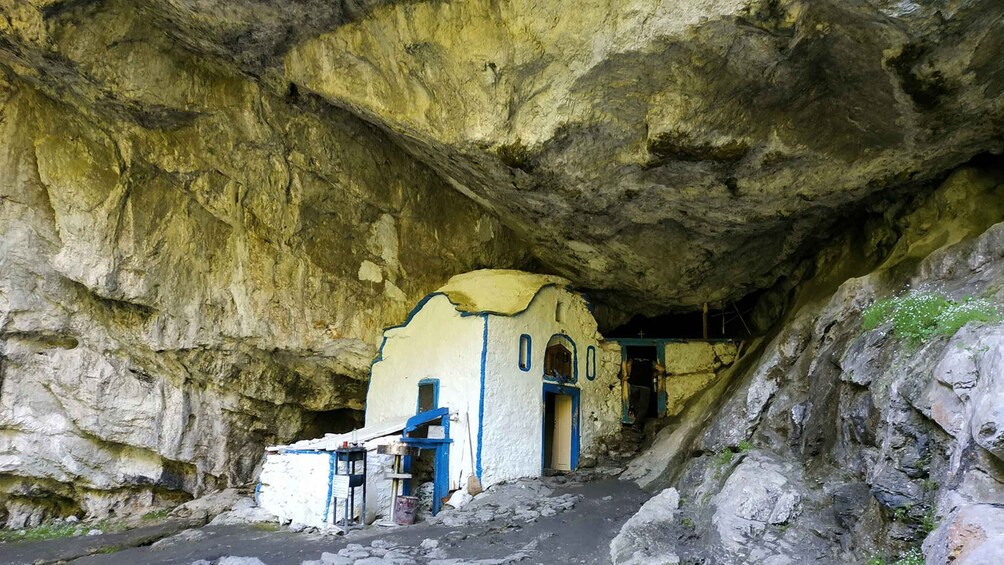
{"points": [[731, 320], [337, 421], [783, 217]]}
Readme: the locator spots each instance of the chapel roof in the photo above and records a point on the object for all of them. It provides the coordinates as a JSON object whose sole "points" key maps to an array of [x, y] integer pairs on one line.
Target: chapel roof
{"points": [[504, 292]]}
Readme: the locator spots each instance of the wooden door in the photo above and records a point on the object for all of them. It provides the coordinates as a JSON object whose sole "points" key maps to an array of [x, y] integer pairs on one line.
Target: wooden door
{"points": [[561, 450]]}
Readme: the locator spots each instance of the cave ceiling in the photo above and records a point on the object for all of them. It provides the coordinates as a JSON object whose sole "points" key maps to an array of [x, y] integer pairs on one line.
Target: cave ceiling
{"points": [[660, 154]]}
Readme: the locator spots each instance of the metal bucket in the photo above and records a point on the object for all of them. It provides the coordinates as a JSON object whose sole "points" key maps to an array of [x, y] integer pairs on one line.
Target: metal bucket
{"points": [[404, 510]]}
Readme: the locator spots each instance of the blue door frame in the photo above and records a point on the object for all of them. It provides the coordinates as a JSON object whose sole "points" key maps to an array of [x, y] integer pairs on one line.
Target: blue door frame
{"points": [[441, 461], [660, 348], [550, 388]]}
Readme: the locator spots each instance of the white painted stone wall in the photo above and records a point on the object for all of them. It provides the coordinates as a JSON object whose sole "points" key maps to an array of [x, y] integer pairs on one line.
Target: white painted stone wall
{"points": [[294, 486], [514, 399], [441, 343]]}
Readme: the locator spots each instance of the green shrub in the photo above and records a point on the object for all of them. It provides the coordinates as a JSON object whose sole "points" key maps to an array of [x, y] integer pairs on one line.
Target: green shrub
{"points": [[723, 457], [912, 557], [915, 317], [721, 460], [919, 315], [929, 523], [901, 514], [955, 316]]}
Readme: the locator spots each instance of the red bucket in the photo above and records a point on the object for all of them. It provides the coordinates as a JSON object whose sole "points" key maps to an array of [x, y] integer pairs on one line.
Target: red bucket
{"points": [[404, 510]]}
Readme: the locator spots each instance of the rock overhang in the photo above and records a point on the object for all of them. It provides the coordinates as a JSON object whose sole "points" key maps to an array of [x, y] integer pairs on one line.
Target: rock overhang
{"points": [[664, 155]]}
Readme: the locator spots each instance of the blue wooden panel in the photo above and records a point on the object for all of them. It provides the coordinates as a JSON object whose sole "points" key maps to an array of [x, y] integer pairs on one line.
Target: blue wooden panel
{"points": [[663, 383], [441, 458]]}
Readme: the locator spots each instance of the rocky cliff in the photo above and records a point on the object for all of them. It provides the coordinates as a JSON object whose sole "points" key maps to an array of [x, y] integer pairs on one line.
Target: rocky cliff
{"points": [[210, 208], [843, 443], [191, 266]]}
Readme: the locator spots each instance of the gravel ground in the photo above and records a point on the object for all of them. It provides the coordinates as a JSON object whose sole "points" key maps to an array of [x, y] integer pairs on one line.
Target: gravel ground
{"points": [[546, 521]]}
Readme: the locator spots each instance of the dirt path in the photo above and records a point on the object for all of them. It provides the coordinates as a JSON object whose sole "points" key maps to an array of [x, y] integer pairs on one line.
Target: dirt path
{"points": [[579, 535]]}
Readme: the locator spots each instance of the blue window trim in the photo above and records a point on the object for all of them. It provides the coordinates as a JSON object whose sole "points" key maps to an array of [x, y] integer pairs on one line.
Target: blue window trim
{"points": [[525, 344], [591, 362], [435, 394]]}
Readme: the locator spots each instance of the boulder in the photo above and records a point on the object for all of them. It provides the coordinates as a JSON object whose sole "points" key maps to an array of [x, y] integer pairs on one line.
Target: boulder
{"points": [[758, 493], [644, 538], [971, 535]]}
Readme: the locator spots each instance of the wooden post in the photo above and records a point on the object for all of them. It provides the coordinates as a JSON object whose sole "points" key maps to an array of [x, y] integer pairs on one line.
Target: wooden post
{"points": [[705, 320], [625, 390]]}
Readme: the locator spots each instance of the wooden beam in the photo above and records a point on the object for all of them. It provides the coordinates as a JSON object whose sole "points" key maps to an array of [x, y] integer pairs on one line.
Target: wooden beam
{"points": [[705, 320]]}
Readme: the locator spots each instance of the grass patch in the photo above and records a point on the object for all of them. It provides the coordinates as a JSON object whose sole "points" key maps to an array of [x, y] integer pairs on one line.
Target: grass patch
{"points": [[723, 457], [913, 557], [878, 313], [156, 515], [59, 530], [516, 155], [41, 533], [919, 315]]}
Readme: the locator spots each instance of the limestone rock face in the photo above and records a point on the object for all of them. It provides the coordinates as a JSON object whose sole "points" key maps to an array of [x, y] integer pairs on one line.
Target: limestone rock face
{"points": [[758, 494], [734, 133], [208, 209], [191, 266], [966, 395], [642, 539], [969, 536]]}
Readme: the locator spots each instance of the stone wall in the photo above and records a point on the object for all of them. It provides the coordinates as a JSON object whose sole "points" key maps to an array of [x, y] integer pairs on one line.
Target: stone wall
{"points": [[691, 367]]}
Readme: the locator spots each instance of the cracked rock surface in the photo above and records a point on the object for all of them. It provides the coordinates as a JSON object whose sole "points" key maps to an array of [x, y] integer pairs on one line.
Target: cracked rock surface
{"points": [[842, 444], [209, 209]]}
